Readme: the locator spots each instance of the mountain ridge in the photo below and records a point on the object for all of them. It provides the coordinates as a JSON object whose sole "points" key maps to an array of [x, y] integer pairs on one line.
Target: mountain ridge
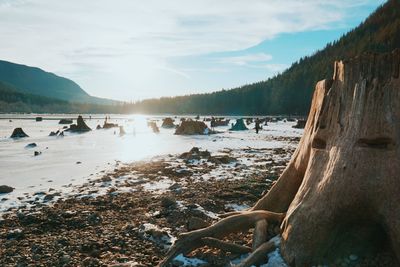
{"points": [[36, 81], [290, 92]]}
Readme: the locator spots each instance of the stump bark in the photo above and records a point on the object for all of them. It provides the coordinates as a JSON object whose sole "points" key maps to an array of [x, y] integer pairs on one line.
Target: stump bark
{"points": [[341, 188], [340, 192]]}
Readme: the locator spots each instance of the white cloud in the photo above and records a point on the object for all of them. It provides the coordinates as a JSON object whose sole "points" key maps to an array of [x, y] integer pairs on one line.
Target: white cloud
{"points": [[115, 48], [246, 59]]}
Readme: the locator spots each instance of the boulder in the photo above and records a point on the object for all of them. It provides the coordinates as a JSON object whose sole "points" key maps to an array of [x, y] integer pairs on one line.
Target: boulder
{"points": [[79, 127], [31, 145], [18, 133], [65, 121], [168, 123], [4, 189], [239, 126], [195, 154], [190, 127]]}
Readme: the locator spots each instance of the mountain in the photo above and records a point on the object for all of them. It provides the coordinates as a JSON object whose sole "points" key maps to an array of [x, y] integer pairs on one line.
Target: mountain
{"points": [[291, 91], [35, 81], [13, 100]]}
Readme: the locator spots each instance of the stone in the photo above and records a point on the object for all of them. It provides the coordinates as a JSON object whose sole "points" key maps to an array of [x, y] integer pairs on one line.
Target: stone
{"points": [[31, 145], [167, 202], [4, 189]]}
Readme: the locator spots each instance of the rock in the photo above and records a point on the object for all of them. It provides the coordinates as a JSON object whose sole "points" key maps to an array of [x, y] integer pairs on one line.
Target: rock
{"points": [[50, 197], [4, 189], [31, 145], [168, 123], [94, 219], [223, 159], [65, 259], [38, 118], [52, 134], [167, 202], [195, 154], [37, 153], [98, 127], [79, 127], [65, 121], [18, 133], [239, 126], [15, 234], [196, 223], [175, 187], [353, 257], [190, 127], [78, 162]]}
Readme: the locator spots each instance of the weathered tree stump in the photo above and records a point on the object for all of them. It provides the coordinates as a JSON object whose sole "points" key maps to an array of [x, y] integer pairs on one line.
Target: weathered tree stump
{"points": [[341, 189]]}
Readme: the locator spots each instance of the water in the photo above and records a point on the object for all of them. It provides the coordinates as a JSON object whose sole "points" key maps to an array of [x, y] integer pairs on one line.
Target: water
{"points": [[99, 150]]}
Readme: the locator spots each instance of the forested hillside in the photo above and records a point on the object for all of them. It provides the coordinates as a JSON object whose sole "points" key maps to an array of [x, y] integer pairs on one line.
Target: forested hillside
{"points": [[290, 92], [287, 93], [13, 100], [35, 81]]}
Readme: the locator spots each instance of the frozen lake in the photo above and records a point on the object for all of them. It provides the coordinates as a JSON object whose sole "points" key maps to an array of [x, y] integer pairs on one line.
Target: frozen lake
{"points": [[100, 150]]}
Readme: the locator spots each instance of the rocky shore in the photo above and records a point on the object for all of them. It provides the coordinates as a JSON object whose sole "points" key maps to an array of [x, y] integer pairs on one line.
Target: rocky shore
{"points": [[131, 215]]}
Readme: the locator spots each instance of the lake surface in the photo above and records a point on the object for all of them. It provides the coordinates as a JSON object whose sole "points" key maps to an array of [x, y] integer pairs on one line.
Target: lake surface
{"points": [[100, 150]]}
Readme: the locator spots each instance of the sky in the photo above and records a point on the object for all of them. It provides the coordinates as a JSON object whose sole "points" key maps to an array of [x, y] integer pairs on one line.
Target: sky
{"points": [[135, 49]]}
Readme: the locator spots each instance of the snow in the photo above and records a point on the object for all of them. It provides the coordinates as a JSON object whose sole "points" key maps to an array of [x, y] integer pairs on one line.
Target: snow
{"points": [[189, 261], [166, 239], [100, 151], [237, 207], [210, 214]]}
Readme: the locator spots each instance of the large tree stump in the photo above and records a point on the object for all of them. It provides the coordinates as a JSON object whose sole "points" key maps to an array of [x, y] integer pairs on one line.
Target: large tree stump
{"points": [[341, 189]]}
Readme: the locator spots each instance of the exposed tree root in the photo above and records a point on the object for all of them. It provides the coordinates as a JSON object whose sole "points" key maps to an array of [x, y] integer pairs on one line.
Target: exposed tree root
{"points": [[233, 224], [260, 233], [225, 246], [259, 255]]}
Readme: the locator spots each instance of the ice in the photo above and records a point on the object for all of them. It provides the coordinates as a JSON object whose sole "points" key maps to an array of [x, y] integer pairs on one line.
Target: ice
{"points": [[237, 207], [100, 151], [189, 261], [159, 186]]}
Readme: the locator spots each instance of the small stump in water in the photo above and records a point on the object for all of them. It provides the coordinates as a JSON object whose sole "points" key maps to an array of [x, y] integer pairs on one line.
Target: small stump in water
{"points": [[18, 133]]}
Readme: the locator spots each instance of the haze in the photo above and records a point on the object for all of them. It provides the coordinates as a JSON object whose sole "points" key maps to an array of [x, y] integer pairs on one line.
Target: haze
{"points": [[131, 50]]}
